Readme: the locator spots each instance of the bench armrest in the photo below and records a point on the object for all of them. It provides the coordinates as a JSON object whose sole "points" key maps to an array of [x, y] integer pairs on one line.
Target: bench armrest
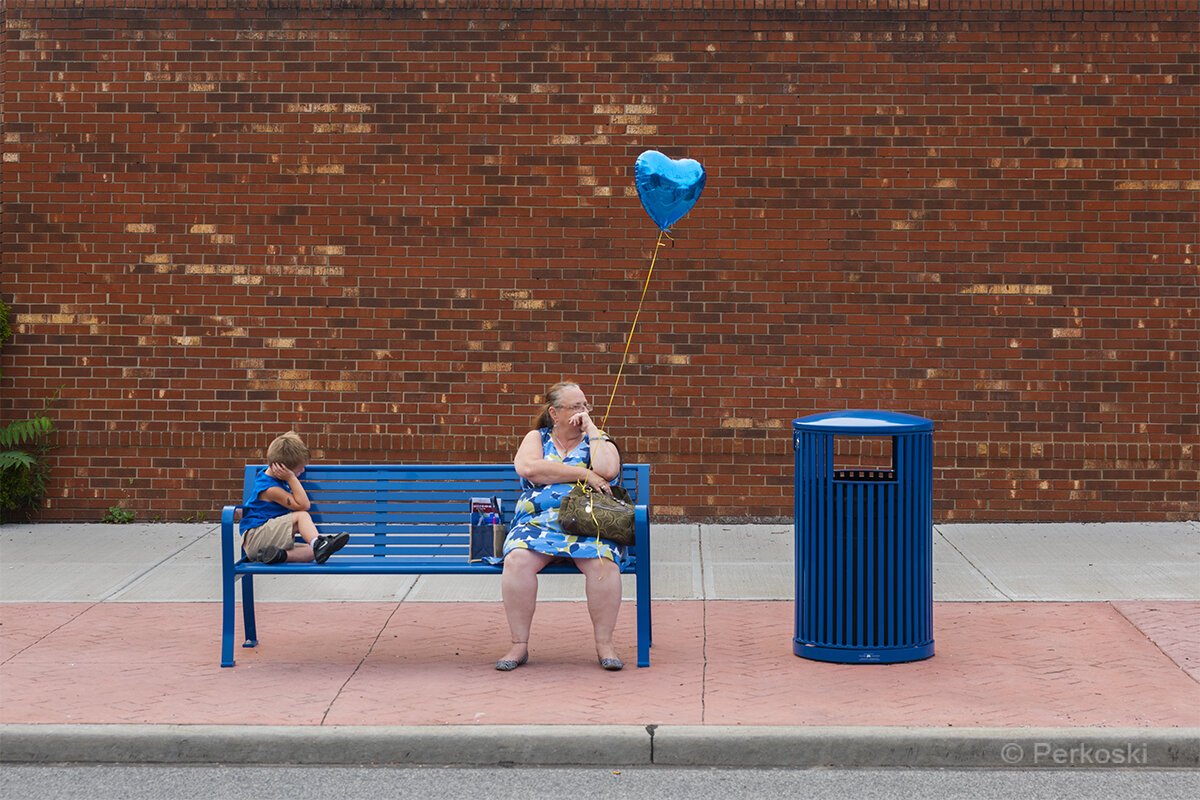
{"points": [[228, 546], [641, 532]]}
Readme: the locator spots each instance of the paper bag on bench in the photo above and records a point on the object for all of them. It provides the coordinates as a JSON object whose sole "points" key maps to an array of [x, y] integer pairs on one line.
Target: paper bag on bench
{"points": [[487, 530]]}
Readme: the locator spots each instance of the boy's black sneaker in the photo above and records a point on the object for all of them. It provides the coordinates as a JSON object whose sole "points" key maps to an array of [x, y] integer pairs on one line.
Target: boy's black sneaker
{"points": [[272, 555], [325, 546]]}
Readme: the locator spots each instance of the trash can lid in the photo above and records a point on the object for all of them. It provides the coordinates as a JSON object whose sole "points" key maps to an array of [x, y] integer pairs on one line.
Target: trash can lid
{"points": [[864, 422]]}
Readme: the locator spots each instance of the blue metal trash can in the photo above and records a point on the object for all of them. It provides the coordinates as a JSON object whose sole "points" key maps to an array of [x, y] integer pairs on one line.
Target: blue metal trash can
{"points": [[864, 541]]}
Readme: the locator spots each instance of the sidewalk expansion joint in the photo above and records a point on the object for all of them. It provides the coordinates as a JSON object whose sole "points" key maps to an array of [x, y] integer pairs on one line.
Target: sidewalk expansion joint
{"points": [[1148, 638], [51, 632], [974, 566], [115, 592], [358, 666]]}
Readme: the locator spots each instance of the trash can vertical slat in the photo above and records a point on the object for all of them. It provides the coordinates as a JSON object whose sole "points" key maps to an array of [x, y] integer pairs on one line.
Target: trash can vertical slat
{"points": [[839, 573], [864, 546], [927, 519], [873, 506], [819, 569], [860, 579]]}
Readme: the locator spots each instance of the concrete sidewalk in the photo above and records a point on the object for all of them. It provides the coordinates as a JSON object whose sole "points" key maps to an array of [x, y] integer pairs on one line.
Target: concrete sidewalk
{"points": [[1054, 643]]}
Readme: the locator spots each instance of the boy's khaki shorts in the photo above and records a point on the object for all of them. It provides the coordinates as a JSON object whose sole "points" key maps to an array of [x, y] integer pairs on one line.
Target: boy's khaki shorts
{"points": [[278, 531]]}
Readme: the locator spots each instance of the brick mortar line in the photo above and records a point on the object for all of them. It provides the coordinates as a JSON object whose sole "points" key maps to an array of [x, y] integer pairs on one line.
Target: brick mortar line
{"points": [[776, 441], [811, 7], [1175, 19]]}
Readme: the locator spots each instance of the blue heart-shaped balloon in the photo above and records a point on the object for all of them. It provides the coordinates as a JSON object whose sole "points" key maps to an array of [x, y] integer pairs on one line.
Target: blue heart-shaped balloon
{"points": [[668, 188]]}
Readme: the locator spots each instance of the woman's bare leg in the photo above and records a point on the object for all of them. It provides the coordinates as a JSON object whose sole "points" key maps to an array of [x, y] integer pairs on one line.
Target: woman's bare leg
{"points": [[603, 584], [518, 586]]}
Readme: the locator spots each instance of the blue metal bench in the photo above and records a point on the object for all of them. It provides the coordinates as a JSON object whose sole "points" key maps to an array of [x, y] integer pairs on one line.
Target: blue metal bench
{"points": [[409, 520]]}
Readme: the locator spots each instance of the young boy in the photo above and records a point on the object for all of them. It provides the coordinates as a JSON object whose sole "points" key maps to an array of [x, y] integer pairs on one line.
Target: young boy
{"points": [[278, 510]]}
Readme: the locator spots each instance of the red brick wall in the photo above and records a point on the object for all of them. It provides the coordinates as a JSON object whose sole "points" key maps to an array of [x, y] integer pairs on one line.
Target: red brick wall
{"points": [[389, 225]]}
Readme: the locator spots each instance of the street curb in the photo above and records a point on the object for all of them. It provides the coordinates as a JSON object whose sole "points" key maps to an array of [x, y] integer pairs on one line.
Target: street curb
{"points": [[604, 745], [313, 744], [990, 748]]}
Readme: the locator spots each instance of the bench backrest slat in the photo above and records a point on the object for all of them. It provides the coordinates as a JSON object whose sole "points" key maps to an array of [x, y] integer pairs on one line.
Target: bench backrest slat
{"points": [[351, 511], [389, 494]]}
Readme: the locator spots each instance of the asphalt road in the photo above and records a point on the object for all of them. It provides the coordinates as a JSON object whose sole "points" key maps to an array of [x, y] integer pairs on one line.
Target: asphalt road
{"points": [[101, 782]]}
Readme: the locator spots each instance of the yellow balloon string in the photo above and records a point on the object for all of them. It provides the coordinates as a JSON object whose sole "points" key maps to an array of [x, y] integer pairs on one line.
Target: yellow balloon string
{"points": [[629, 339]]}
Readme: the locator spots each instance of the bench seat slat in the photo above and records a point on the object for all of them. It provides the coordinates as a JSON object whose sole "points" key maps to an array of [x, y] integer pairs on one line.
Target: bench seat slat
{"points": [[450, 510], [454, 563], [451, 566]]}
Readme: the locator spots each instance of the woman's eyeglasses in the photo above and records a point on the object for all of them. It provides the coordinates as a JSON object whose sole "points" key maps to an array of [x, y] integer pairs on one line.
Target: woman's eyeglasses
{"points": [[578, 407]]}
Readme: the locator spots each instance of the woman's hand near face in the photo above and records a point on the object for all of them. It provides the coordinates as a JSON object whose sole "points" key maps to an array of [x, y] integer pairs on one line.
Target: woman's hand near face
{"points": [[583, 421]]}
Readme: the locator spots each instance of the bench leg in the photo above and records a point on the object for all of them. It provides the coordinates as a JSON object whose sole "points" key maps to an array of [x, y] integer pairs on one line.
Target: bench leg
{"points": [[248, 611], [643, 621], [228, 600], [643, 657], [650, 622]]}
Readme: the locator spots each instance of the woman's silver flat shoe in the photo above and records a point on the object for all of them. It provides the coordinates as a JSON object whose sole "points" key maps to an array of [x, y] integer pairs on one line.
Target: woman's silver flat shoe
{"points": [[508, 665], [612, 664]]}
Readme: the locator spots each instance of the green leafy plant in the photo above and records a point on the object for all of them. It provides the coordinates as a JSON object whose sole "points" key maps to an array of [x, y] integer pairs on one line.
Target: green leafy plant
{"points": [[117, 515], [22, 432], [23, 467], [23, 448]]}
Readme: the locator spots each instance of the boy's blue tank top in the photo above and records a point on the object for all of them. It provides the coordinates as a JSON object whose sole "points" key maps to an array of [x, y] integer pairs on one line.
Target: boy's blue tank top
{"points": [[258, 512]]}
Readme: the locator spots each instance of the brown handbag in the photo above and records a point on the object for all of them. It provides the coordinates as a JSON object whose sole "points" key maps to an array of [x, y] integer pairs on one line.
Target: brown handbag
{"points": [[586, 512]]}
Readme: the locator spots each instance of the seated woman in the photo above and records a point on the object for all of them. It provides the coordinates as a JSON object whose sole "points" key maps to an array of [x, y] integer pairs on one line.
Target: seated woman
{"points": [[564, 448]]}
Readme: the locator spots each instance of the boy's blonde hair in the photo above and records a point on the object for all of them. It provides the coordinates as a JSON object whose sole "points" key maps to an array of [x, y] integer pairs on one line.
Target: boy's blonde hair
{"points": [[289, 450]]}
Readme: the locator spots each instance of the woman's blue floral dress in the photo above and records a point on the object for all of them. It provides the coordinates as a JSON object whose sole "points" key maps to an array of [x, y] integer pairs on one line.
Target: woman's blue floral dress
{"points": [[535, 520]]}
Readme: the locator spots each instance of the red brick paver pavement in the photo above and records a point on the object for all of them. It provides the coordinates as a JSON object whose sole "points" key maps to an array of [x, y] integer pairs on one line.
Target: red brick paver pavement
{"points": [[720, 662], [997, 664], [1173, 627]]}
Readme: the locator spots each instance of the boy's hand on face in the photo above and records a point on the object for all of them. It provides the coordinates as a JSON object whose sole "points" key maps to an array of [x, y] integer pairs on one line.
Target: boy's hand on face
{"points": [[280, 473]]}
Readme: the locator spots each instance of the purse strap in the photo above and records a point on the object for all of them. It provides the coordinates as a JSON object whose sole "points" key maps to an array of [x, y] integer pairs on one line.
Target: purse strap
{"points": [[620, 468], [587, 491]]}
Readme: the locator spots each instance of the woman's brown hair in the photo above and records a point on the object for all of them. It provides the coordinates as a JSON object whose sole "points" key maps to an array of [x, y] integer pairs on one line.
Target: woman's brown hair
{"points": [[542, 420]]}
